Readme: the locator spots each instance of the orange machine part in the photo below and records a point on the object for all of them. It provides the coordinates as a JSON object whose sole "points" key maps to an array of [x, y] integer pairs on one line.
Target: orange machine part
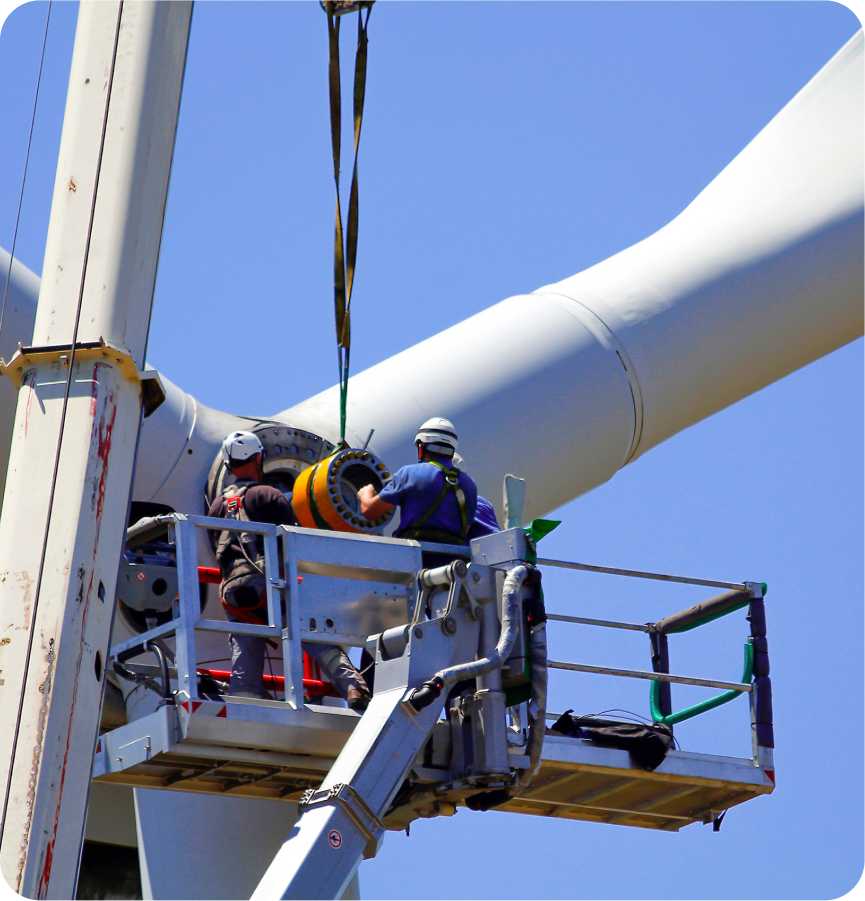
{"points": [[315, 478], [316, 493]]}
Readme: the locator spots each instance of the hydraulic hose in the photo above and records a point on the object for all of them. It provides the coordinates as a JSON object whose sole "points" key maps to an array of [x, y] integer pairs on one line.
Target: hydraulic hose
{"points": [[146, 529], [165, 689], [538, 703], [511, 612]]}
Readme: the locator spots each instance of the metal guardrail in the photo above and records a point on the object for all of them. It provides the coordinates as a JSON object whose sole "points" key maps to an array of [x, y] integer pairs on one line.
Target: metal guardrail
{"points": [[582, 620], [187, 614], [654, 677], [345, 568], [738, 595], [286, 628], [636, 574]]}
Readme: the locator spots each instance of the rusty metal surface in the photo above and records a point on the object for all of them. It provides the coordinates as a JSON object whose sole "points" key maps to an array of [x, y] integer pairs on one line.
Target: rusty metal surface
{"points": [[76, 428]]}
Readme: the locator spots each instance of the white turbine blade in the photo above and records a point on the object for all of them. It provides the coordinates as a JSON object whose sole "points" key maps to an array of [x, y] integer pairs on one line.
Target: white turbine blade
{"points": [[760, 275]]}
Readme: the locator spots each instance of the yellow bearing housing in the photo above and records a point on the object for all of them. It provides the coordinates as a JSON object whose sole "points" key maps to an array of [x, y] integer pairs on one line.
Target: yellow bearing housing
{"points": [[325, 495]]}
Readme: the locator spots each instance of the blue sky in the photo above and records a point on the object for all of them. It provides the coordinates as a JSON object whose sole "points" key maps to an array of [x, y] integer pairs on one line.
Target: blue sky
{"points": [[507, 146]]}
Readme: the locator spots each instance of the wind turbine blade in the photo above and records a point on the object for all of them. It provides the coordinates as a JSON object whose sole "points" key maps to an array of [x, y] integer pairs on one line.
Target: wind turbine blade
{"points": [[760, 275]]}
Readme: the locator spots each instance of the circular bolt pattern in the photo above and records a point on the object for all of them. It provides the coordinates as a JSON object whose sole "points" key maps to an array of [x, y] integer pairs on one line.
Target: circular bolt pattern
{"points": [[333, 484]]}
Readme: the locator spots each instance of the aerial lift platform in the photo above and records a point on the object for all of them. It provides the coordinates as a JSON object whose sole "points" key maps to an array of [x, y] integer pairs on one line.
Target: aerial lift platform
{"points": [[458, 715]]}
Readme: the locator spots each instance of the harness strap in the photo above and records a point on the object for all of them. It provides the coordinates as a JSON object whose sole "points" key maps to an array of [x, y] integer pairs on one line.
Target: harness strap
{"points": [[246, 615], [435, 505], [450, 483], [233, 497]]}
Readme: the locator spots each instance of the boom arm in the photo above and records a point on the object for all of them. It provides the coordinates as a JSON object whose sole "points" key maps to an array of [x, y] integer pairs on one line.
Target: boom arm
{"points": [[341, 822]]}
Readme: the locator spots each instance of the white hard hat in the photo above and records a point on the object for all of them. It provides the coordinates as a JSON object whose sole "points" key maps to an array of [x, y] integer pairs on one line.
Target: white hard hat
{"points": [[239, 447], [439, 435]]}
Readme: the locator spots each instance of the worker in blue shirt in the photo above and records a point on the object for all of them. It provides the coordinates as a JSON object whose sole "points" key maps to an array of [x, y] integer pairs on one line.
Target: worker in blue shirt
{"points": [[485, 520], [437, 501]]}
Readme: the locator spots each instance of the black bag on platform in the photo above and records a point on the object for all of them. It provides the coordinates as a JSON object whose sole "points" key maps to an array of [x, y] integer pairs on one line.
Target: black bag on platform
{"points": [[647, 744]]}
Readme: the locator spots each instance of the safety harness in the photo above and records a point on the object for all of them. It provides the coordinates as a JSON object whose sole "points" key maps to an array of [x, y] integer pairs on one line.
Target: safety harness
{"points": [[245, 542], [450, 484], [252, 561]]}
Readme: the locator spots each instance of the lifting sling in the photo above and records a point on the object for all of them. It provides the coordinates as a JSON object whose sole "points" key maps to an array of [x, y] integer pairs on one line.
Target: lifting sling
{"points": [[345, 249]]}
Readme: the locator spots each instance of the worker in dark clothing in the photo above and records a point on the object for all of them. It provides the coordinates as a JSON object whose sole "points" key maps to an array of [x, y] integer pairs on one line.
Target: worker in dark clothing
{"points": [[437, 501], [243, 589]]}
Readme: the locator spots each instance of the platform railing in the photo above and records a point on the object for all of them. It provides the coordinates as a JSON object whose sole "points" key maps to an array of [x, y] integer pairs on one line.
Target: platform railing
{"points": [[282, 580], [286, 565], [755, 677], [187, 617]]}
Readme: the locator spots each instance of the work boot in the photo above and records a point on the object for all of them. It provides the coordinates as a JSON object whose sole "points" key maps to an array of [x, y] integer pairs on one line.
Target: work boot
{"points": [[357, 700], [347, 681]]}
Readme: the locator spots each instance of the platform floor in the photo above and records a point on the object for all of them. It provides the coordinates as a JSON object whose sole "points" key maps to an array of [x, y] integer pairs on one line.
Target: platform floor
{"points": [[581, 781], [224, 748]]}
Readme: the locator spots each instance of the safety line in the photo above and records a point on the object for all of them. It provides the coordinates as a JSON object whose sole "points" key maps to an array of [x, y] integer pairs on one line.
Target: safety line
{"points": [[62, 418], [26, 163]]}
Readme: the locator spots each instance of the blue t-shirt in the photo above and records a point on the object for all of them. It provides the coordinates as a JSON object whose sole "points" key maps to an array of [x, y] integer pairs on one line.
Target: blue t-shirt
{"points": [[485, 519], [414, 489]]}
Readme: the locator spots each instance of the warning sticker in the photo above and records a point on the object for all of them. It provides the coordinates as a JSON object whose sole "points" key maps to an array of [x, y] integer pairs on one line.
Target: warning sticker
{"points": [[141, 577], [334, 838]]}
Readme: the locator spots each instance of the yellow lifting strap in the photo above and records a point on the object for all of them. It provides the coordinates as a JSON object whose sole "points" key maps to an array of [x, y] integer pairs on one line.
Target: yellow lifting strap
{"points": [[345, 250]]}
